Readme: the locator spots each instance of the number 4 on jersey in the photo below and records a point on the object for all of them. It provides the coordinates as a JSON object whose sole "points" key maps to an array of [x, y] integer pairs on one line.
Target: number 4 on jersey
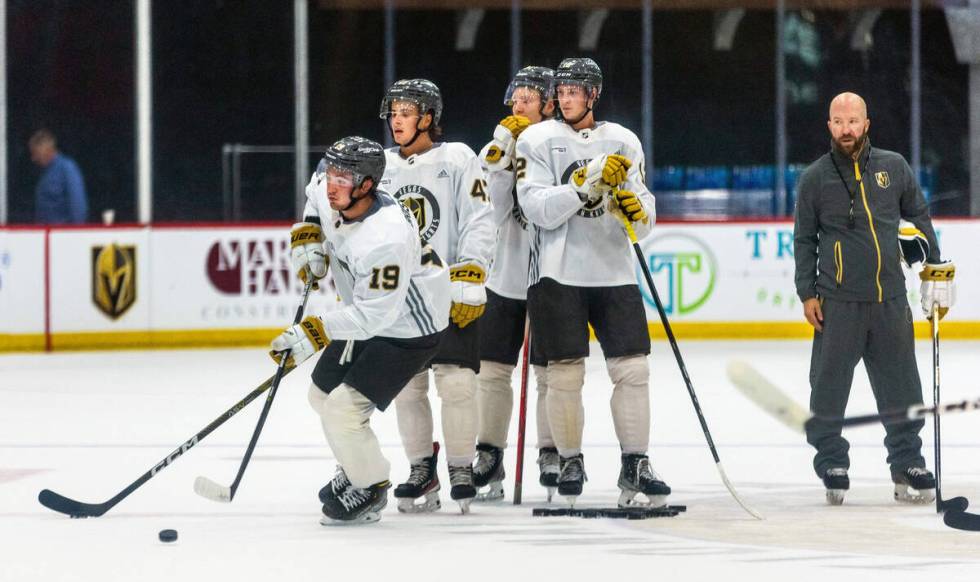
{"points": [[479, 189]]}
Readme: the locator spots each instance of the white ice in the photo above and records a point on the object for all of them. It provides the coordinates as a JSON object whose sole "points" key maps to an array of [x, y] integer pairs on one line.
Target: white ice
{"points": [[87, 424]]}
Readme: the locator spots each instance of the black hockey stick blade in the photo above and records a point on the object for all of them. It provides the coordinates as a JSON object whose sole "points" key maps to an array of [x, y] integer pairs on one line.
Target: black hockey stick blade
{"points": [[70, 507], [962, 520], [954, 504]]}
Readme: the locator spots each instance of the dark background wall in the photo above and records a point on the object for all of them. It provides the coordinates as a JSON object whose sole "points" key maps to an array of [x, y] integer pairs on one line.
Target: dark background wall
{"points": [[223, 73]]}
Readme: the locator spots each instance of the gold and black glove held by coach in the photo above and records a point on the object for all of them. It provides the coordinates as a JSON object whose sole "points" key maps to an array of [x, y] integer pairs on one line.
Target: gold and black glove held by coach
{"points": [[937, 287], [592, 181], [307, 254], [469, 293], [912, 243], [303, 339]]}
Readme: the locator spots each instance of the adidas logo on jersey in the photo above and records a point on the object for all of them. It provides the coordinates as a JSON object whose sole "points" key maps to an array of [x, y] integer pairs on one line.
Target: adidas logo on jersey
{"points": [[443, 174]]}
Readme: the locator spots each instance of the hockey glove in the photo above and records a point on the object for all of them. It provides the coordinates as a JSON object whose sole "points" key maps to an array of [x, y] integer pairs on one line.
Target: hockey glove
{"points": [[469, 293], [307, 254], [303, 339], [937, 287], [628, 204], [592, 181], [913, 245], [504, 140]]}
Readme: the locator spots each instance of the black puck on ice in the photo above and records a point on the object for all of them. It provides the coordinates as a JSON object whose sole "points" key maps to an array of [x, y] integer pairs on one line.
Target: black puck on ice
{"points": [[168, 535]]}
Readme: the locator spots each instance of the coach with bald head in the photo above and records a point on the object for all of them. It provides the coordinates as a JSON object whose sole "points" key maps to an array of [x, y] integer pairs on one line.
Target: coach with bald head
{"points": [[849, 249]]}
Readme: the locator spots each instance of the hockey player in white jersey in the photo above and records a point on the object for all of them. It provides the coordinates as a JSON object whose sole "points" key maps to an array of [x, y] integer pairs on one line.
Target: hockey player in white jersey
{"points": [[395, 308], [580, 177], [529, 98], [443, 186]]}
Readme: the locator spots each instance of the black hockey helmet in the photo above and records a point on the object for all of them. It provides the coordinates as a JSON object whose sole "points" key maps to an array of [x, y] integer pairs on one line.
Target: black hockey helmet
{"points": [[423, 93], [541, 79], [580, 71], [360, 156]]}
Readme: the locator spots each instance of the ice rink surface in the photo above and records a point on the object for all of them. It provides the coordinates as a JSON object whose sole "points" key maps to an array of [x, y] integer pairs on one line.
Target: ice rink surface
{"points": [[87, 424]]}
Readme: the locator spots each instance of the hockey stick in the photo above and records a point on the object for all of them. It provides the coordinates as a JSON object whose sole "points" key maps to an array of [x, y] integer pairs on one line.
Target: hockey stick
{"points": [[70, 507], [522, 415], [680, 364], [215, 492], [953, 510], [771, 399]]}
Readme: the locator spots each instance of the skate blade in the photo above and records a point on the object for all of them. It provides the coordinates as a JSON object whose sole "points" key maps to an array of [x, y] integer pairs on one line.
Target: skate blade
{"points": [[904, 494], [629, 499], [835, 496], [429, 504], [494, 493], [551, 493], [570, 500], [464, 505], [369, 517]]}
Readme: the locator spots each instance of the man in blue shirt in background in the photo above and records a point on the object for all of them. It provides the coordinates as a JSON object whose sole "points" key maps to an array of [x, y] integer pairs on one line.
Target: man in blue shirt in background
{"points": [[60, 193]]}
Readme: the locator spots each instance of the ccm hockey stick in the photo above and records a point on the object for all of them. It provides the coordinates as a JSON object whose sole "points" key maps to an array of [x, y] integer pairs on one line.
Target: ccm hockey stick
{"points": [[215, 492], [72, 508], [774, 401], [683, 369], [522, 416]]}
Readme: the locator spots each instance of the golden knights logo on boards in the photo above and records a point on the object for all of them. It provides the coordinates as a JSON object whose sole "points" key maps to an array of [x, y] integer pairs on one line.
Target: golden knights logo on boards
{"points": [[114, 279], [882, 178]]}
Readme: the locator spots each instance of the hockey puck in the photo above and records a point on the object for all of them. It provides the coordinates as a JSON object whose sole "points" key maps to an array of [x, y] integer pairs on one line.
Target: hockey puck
{"points": [[168, 535]]}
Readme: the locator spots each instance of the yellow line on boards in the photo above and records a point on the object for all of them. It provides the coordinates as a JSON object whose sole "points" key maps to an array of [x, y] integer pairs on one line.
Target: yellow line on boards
{"points": [[258, 337]]}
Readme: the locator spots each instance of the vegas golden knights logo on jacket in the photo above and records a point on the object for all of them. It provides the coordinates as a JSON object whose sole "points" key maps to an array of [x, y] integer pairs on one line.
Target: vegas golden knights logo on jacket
{"points": [[114, 278], [882, 178]]}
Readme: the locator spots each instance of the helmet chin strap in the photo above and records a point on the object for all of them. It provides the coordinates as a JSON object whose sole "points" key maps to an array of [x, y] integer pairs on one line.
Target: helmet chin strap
{"points": [[588, 110], [418, 132], [354, 200]]}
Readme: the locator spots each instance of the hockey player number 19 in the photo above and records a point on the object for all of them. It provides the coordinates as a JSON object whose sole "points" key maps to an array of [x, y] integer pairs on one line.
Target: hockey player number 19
{"points": [[386, 278]]}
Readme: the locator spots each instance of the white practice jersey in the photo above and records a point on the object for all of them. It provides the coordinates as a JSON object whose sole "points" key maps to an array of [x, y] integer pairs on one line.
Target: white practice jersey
{"points": [[508, 273], [572, 242], [390, 286], [445, 191]]}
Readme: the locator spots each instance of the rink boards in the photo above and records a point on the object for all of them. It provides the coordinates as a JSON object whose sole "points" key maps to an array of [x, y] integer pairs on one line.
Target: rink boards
{"points": [[211, 285]]}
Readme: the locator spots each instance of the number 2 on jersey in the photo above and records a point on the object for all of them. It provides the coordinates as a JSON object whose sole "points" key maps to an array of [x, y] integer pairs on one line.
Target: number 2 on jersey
{"points": [[520, 164]]}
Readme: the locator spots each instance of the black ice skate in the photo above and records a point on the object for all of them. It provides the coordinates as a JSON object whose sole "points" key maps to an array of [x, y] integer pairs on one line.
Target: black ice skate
{"points": [[572, 478], [837, 483], [914, 485], [422, 482], [549, 466], [637, 477], [463, 491], [336, 485], [354, 505], [489, 472]]}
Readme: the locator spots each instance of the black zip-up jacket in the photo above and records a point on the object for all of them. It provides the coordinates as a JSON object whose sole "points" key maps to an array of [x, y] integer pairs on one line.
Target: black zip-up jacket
{"points": [[846, 232]]}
